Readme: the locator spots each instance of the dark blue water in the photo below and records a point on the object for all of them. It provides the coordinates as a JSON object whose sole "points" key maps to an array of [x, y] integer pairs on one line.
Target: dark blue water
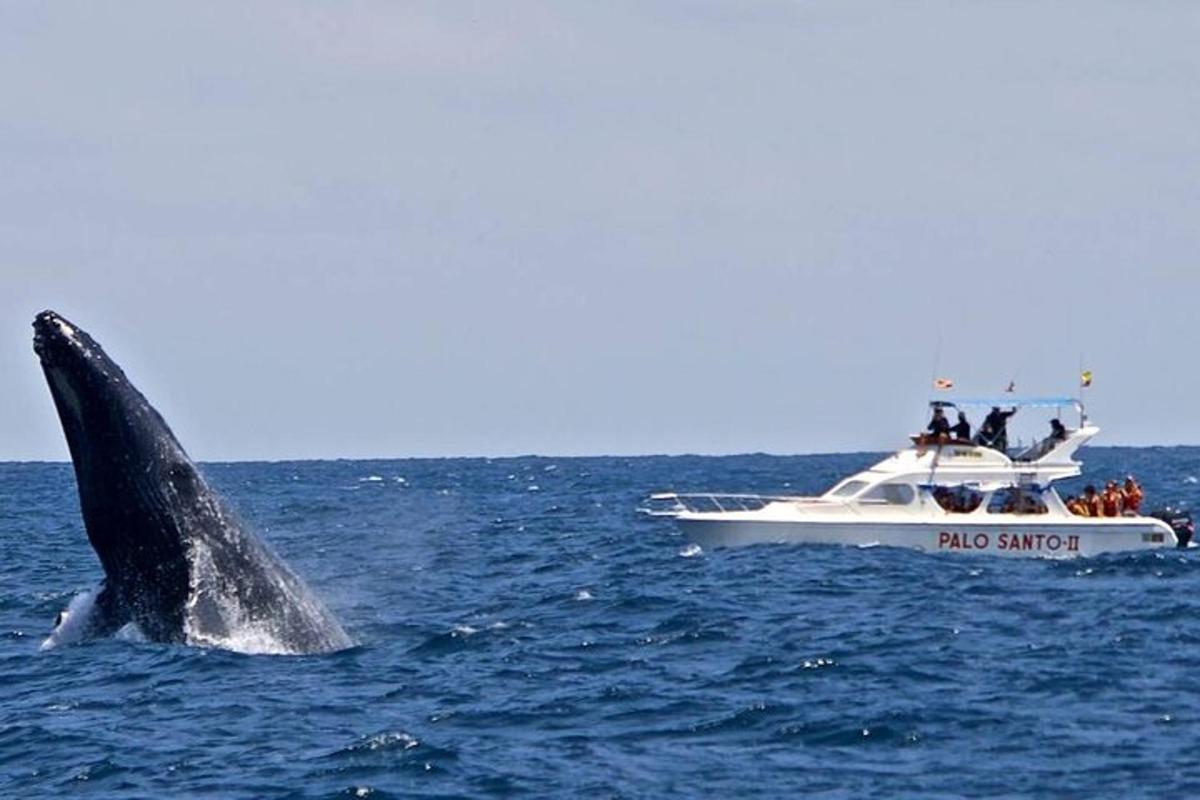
{"points": [[524, 632]]}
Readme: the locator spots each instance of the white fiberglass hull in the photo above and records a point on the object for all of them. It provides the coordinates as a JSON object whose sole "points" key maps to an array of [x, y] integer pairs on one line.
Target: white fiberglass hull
{"points": [[1020, 536]]}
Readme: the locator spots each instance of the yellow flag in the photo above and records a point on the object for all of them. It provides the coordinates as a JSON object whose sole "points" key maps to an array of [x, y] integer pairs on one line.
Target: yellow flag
{"points": [[1085, 380]]}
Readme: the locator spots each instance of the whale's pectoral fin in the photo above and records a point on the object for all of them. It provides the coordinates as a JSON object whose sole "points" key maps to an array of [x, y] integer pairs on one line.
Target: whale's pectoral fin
{"points": [[100, 616]]}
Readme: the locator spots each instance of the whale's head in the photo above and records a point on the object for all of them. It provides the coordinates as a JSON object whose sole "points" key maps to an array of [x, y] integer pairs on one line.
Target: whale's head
{"points": [[95, 401], [56, 340], [77, 369]]}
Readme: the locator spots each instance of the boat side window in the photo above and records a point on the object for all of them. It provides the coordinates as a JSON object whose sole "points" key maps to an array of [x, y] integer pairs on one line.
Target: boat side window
{"points": [[893, 494], [957, 500], [847, 489], [1017, 500]]}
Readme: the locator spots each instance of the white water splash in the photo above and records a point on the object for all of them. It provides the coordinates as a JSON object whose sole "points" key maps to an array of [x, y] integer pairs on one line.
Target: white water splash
{"points": [[247, 639], [691, 551], [215, 618], [130, 632], [386, 741], [214, 615]]}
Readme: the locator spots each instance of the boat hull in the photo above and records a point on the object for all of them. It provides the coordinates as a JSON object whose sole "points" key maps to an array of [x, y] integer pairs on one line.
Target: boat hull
{"points": [[1063, 539]]}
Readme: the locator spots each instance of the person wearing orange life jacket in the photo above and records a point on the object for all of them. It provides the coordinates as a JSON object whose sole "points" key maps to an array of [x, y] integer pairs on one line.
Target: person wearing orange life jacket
{"points": [[1110, 501], [1090, 502], [1132, 496]]}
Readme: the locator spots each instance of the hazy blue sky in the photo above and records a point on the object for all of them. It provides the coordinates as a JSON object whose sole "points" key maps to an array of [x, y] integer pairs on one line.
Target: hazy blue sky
{"points": [[316, 229]]}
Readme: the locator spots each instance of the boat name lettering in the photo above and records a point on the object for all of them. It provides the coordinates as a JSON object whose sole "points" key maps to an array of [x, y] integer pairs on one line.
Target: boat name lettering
{"points": [[1042, 542], [957, 453]]}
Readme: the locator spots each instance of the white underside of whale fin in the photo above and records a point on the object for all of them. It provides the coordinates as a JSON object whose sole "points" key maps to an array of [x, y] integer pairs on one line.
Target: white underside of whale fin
{"points": [[82, 619]]}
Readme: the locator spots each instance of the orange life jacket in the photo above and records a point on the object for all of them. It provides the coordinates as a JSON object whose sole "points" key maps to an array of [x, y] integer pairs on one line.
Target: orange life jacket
{"points": [[1091, 506], [1111, 502], [1133, 499]]}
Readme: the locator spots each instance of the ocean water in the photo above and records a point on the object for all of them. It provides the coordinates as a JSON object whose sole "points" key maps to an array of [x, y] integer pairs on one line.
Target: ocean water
{"points": [[524, 632]]}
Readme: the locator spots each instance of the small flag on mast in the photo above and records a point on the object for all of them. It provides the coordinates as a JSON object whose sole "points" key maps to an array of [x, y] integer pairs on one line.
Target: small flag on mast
{"points": [[943, 383], [1085, 378]]}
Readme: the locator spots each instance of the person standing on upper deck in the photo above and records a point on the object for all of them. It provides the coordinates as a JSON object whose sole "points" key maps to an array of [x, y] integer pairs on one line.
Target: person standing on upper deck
{"points": [[994, 430]]}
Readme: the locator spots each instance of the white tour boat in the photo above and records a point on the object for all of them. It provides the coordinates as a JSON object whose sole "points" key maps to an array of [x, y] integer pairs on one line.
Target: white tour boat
{"points": [[939, 494]]}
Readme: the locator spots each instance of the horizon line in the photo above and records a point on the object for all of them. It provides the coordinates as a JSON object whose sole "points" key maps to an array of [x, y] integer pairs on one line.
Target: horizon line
{"points": [[483, 457]]}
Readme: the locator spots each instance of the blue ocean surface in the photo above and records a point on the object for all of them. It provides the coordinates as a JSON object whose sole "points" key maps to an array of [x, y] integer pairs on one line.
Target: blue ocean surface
{"points": [[524, 632]]}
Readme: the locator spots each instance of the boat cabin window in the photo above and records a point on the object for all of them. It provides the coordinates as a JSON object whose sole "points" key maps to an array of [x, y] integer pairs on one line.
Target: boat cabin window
{"points": [[1017, 500], [892, 494], [847, 488], [957, 500]]}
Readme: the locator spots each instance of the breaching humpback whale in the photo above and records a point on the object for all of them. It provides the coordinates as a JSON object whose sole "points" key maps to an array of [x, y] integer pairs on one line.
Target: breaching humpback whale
{"points": [[176, 561]]}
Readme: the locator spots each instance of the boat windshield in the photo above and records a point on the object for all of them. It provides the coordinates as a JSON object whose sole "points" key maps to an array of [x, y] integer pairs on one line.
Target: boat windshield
{"points": [[892, 494], [847, 488]]}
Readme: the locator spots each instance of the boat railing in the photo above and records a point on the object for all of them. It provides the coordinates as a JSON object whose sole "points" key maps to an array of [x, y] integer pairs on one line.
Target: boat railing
{"points": [[672, 504]]}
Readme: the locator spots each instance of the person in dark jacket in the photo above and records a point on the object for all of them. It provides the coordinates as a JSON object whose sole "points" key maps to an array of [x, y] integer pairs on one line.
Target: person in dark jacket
{"points": [[939, 425], [994, 430], [962, 430]]}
